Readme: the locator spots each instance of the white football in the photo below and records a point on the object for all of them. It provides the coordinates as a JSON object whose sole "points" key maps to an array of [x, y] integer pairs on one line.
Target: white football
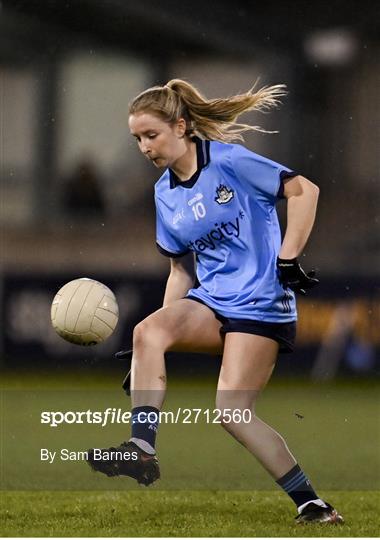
{"points": [[84, 312]]}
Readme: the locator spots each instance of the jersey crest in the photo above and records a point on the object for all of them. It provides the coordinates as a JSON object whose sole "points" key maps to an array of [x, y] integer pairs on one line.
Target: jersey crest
{"points": [[224, 194]]}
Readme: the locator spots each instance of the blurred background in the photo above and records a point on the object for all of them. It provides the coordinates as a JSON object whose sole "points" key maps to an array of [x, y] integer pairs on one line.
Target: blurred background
{"points": [[77, 197]]}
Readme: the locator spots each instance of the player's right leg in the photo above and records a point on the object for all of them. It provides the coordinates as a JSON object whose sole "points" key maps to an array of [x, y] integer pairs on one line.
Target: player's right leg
{"points": [[183, 326]]}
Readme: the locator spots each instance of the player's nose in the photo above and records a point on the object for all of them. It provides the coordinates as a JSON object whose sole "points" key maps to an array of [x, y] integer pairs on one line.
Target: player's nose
{"points": [[145, 149]]}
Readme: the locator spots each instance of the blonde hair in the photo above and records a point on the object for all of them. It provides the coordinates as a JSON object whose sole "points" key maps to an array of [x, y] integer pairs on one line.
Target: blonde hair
{"points": [[213, 119]]}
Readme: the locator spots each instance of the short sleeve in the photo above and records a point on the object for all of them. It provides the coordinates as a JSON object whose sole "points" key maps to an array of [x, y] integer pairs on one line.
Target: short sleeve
{"points": [[166, 242], [264, 175]]}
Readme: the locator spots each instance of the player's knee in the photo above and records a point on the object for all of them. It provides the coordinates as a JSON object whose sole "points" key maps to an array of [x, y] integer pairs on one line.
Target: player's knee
{"points": [[227, 424], [223, 411], [149, 333], [234, 407]]}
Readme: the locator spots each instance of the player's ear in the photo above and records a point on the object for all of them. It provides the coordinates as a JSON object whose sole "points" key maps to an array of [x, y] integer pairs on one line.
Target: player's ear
{"points": [[180, 128]]}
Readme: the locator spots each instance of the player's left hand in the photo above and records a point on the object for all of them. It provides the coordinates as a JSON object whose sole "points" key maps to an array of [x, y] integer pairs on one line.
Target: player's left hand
{"points": [[291, 275]]}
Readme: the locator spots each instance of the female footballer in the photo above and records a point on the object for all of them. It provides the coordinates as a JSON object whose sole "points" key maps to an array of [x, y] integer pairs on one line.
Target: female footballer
{"points": [[217, 222]]}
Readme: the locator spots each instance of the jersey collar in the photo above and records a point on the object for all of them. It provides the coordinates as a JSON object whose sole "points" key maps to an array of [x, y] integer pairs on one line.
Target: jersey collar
{"points": [[203, 159]]}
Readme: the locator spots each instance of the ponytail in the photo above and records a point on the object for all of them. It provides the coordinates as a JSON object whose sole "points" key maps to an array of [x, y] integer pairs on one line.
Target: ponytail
{"points": [[213, 119]]}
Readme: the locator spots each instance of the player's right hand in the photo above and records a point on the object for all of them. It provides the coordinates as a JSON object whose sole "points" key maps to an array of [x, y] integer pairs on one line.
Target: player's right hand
{"points": [[124, 355]]}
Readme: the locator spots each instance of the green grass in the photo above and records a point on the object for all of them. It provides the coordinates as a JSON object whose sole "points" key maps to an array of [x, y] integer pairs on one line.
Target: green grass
{"points": [[210, 485], [192, 514]]}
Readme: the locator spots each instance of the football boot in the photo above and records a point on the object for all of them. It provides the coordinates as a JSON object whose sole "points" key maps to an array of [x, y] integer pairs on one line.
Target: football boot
{"points": [[113, 461], [313, 513]]}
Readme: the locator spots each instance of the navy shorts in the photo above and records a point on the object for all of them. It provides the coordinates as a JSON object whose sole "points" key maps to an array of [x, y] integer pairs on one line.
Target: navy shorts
{"points": [[283, 333]]}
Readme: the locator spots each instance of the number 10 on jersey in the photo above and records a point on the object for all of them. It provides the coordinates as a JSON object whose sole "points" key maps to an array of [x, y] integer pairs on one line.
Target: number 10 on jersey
{"points": [[199, 210]]}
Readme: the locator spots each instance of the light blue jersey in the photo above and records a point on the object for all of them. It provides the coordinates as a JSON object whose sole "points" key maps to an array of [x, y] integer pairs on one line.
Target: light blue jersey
{"points": [[226, 215]]}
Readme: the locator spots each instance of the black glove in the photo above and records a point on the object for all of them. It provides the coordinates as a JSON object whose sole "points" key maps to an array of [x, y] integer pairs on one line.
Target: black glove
{"points": [[291, 275], [123, 355], [126, 386]]}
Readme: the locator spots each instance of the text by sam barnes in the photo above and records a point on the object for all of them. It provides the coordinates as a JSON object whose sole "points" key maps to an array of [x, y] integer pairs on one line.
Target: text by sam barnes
{"points": [[50, 456]]}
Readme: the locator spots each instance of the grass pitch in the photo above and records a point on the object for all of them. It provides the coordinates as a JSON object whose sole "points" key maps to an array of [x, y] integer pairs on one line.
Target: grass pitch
{"points": [[210, 485], [191, 514]]}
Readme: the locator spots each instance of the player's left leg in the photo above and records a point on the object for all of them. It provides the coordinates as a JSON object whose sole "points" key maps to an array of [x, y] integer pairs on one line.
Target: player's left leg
{"points": [[248, 362]]}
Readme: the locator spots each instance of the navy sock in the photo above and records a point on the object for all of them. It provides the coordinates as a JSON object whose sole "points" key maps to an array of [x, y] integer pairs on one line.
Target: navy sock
{"points": [[145, 423], [297, 486]]}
